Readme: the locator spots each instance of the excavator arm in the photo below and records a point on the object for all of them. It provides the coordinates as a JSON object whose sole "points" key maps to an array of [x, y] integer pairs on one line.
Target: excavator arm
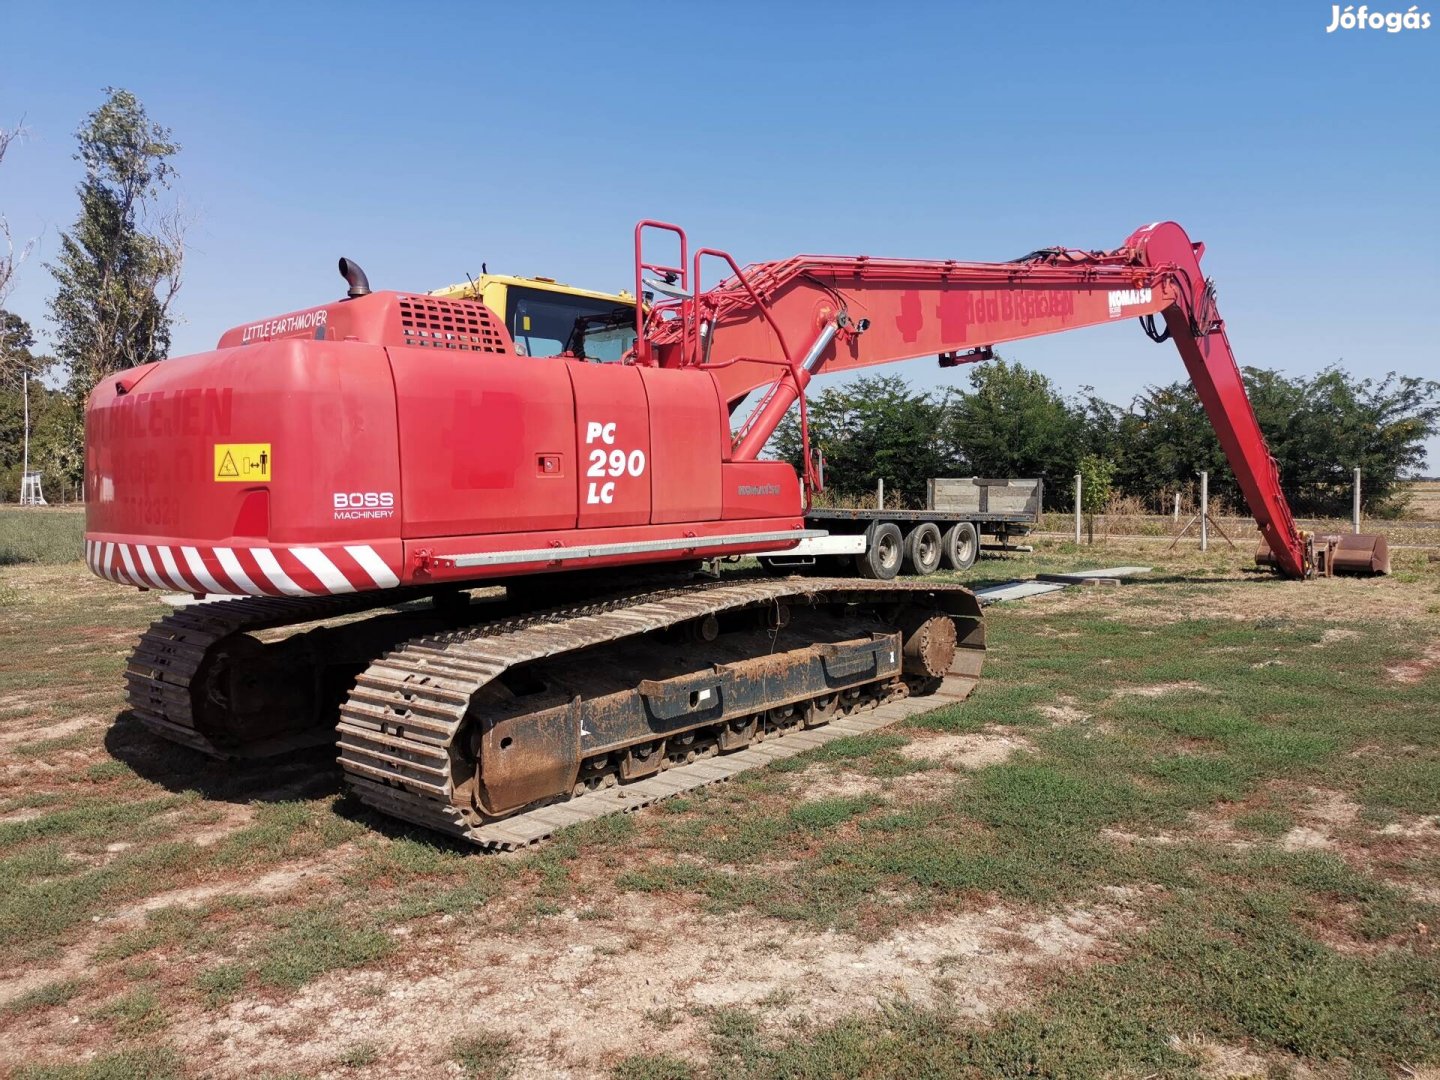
{"points": [[778, 324]]}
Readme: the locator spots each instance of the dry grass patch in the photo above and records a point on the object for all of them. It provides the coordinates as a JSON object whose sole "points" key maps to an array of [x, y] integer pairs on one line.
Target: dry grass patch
{"points": [[566, 995]]}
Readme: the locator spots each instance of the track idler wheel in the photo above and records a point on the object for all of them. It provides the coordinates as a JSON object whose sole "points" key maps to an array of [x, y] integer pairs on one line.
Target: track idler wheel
{"points": [[928, 645]]}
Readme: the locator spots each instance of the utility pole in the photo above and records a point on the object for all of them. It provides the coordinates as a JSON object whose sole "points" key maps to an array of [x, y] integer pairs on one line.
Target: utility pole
{"points": [[25, 393]]}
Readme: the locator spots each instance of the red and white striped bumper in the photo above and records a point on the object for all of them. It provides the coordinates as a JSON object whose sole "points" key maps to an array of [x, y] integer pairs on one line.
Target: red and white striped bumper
{"points": [[246, 571]]}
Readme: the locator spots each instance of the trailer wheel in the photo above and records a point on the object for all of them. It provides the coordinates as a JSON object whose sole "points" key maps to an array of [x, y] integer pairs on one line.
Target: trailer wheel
{"points": [[922, 549], [884, 552], [960, 545]]}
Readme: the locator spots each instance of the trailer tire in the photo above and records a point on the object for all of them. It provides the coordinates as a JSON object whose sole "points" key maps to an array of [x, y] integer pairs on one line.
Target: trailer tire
{"points": [[922, 549], [960, 545], [884, 552]]}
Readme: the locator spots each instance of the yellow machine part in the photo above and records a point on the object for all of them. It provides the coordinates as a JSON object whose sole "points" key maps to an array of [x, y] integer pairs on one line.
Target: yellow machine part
{"points": [[492, 289]]}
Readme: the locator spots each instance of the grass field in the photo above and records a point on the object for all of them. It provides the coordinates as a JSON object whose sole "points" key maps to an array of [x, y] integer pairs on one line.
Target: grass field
{"points": [[1188, 827], [41, 535], [1425, 499]]}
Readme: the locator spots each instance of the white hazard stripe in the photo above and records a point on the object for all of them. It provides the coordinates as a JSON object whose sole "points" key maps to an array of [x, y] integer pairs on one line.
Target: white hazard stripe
{"points": [[148, 569], [373, 565], [325, 571], [270, 567], [185, 569], [171, 570], [130, 572], [236, 573], [199, 571]]}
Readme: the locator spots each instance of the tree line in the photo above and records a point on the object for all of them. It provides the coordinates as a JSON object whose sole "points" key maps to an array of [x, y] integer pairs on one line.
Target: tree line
{"points": [[1012, 421], [116, 275]]}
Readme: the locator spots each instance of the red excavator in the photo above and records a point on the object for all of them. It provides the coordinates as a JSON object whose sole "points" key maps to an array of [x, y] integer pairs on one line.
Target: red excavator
{"points": [[395, 454]]}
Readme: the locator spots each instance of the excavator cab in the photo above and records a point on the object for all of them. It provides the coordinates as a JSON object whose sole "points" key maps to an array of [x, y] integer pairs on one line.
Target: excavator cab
{"points": [[548, 318]]}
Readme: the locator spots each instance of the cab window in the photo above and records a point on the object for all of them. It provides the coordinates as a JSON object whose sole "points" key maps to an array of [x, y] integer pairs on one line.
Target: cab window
{"points": [[545, 323]]}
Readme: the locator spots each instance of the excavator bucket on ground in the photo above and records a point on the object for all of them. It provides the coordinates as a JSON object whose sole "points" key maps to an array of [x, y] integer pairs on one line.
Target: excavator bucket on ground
{"points": [[1355, 554]]}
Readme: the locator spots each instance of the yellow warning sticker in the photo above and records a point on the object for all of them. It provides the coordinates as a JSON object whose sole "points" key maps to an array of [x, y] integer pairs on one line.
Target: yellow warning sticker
{"points": [[249, 463]]}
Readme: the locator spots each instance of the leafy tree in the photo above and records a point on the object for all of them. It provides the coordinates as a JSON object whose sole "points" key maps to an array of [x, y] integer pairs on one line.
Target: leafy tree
{"points": [[1323, 427], [1097, 477], [119, 266], [1163, 441], [16, 341], [872, 429], [1013, 422], [49, 411], [1319, 428]]}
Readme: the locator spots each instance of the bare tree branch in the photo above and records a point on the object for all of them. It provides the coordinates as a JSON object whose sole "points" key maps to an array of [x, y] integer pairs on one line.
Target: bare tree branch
{"points": [[10, 260]]}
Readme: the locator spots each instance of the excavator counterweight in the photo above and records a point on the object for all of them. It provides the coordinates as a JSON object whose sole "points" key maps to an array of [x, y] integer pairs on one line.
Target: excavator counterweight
{"points": [[385, 454]]}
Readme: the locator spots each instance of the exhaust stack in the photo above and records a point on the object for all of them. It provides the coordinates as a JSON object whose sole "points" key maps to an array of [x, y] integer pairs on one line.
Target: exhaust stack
{"points": [[355, 277]]}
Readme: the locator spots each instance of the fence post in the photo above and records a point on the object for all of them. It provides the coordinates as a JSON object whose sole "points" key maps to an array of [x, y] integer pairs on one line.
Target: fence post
{"points": [[1355, 508], [880, 494], [1204, 510], [1077, 508], [1177, 507]]}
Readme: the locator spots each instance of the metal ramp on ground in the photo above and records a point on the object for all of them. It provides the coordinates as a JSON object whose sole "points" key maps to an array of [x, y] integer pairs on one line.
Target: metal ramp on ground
{"points": [[1041, 584]]}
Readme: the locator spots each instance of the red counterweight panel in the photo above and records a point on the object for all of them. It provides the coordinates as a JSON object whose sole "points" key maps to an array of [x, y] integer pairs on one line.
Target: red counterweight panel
{"points": [[289, 441], [688, 438], [612, 435], [487, 442]]}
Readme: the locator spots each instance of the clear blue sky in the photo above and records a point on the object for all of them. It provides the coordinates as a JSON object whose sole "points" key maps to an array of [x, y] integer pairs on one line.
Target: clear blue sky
{"points": [[421, 140]]}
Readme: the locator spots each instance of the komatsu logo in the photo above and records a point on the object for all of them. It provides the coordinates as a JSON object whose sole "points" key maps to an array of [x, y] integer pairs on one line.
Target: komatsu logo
{"points": [[1122, 298]]}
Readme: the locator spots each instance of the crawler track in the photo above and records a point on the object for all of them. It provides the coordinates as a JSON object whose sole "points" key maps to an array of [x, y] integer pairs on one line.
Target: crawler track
{"points": [[174, 688], [419, 722]]}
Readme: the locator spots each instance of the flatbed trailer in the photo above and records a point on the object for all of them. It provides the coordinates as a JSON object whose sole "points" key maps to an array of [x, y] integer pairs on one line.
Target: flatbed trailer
{"points": [[962, 518]]}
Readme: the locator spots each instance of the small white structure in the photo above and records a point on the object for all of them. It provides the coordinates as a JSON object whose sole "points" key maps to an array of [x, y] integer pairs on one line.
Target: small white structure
{"points": [[30, 493]]}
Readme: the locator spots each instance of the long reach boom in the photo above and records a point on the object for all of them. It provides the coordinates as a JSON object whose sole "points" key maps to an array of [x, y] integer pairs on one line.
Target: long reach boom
{"points": [[816, 313]]}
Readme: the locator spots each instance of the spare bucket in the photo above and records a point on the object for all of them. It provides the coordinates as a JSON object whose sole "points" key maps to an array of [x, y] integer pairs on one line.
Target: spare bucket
{"points": [[1359, 553], [1340, 553]]}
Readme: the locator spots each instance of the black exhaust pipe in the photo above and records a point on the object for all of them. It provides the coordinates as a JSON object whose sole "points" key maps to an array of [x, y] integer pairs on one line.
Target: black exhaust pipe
{"points": [[355, 277]]}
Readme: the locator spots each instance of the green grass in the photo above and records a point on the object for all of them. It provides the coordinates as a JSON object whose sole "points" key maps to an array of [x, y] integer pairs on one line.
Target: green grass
{"points": [[653, 1067], [47, 996], [359, 1056], [41, 535], [312, 943], [150, 1063], [221, 983], [133, 1014], [484, 1055]]}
